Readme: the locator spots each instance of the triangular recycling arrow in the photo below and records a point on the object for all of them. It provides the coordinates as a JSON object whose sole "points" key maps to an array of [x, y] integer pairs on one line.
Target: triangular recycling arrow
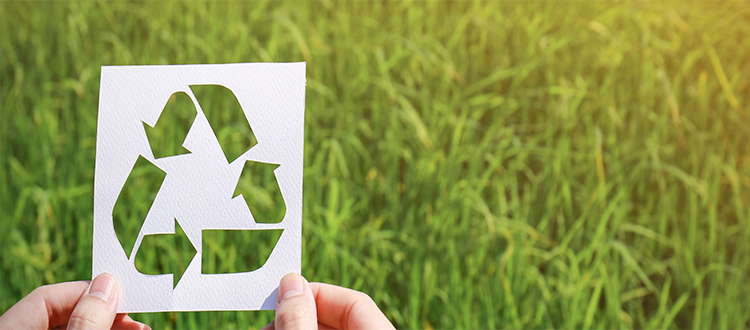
{"points": [[167, 253], [168, 134], [227, 119], [237, 251], [259, 186], [134, 201]]}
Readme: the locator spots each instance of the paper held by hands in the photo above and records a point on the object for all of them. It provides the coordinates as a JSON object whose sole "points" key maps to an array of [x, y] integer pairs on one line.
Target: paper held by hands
{"points": [[198, 184]]}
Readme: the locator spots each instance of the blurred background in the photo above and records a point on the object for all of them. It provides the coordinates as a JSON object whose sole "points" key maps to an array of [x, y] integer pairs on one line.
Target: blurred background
{"points": [[468, 164]]}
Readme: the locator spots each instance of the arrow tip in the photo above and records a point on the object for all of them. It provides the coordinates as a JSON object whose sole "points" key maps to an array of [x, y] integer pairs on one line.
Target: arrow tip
{"points": [[260, 188], [170, 130], [185, 249]]}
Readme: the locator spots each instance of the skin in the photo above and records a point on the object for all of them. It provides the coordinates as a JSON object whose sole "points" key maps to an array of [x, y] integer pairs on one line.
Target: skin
{"points": [[303, 305], [93, 305], [70, 305]]}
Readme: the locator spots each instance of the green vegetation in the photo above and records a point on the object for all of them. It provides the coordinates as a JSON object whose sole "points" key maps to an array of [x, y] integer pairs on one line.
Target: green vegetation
{"points": [[233, 251], [135, 200], [169, 132], [228, 121], [165, 254], [468, 164], [260, 190]]}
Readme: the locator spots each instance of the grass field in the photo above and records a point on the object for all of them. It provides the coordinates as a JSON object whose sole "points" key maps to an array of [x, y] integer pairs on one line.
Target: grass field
{"points": [[468, 164]]}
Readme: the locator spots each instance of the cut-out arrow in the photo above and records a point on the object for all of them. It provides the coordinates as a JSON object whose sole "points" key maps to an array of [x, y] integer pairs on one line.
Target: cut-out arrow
{"points": [[168, 134], [165, 253], [234, 251], [227, 119], [135, 200], [259, 187]]}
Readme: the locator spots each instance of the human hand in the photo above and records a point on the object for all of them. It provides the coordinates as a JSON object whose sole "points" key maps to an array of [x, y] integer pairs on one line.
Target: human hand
{"points": [[302, 305], [73, 305]]}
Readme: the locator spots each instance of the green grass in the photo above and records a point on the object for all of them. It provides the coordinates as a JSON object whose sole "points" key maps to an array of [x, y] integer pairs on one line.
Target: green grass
{"points": [[468, 164]]}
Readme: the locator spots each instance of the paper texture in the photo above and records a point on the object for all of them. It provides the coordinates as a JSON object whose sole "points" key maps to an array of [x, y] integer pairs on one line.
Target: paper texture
{"points": [[198, 186]]}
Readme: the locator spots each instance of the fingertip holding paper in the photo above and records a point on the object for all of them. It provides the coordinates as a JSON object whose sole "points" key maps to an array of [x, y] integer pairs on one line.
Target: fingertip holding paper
{"points": [[195, 189]]}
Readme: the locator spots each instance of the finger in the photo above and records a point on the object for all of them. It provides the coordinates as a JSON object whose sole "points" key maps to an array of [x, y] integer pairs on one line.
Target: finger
{"points": [[321, 326], [295, 307], [268, 326], [343, 308], [125, 322], [46, 307], [98, 306]]}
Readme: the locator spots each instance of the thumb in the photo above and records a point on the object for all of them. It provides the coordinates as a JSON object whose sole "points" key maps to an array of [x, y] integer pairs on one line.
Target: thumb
{"points": [[98, 306], [295, 307]]}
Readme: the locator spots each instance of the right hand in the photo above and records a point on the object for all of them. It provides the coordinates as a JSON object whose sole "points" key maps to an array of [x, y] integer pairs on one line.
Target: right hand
{"points": [[303, 305]]}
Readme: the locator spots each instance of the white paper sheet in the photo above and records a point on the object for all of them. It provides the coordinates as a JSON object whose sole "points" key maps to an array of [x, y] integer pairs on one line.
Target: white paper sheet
{"points": [[198, 186]]}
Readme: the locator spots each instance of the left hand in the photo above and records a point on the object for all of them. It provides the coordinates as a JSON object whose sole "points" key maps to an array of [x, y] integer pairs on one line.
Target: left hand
{"points": [[73, 305]]}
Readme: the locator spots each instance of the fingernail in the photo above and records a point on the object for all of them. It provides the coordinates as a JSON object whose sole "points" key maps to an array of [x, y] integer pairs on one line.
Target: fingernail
{"points": [[291, 285], [103, 286]]}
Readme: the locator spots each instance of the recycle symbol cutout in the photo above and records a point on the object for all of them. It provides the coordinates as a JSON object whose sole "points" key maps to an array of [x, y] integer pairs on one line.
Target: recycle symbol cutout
{"points": [[223, 251], [198, 184]]}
